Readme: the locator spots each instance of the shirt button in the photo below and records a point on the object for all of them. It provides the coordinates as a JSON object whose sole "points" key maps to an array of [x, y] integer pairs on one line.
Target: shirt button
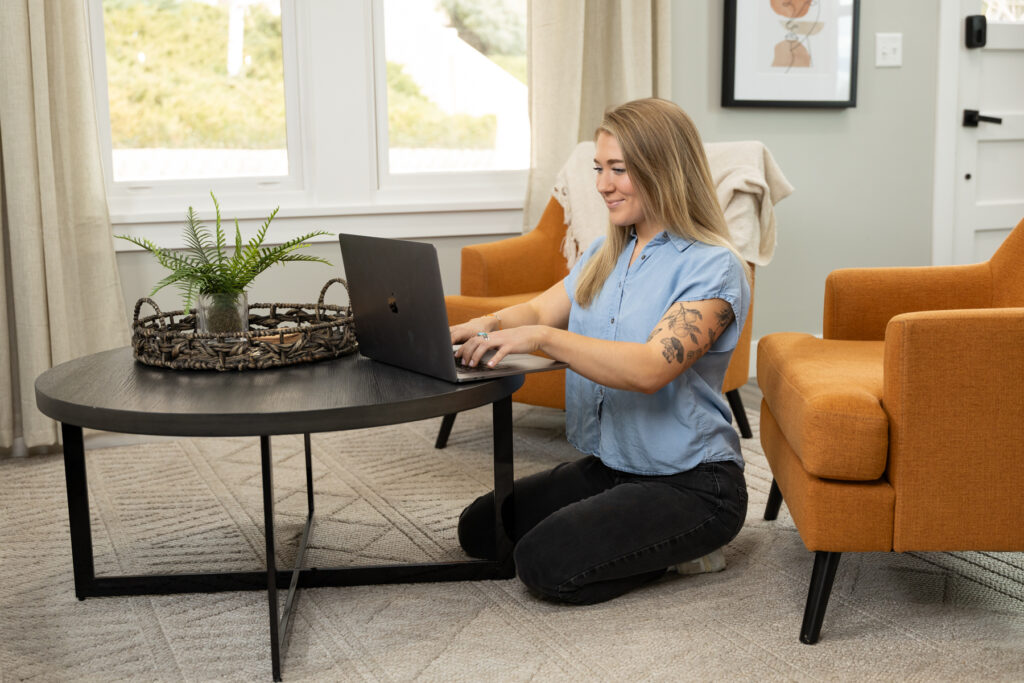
{"points": [[613, 321]]}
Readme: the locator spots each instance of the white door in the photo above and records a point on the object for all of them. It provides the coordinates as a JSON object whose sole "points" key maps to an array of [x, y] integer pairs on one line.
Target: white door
{"points": [[989, 166]]}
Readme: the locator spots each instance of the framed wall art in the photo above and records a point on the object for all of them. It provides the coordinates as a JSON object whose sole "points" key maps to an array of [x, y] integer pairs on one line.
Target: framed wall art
{"points": [[790, 53]]}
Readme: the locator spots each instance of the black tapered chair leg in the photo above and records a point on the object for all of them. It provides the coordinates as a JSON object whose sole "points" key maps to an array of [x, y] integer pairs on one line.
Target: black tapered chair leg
{"points": [[446, 429], [771, 509], [736, 404], [824, 573]]}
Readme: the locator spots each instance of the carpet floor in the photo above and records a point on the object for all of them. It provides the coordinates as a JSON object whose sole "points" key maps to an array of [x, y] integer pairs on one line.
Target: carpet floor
{"points": [[385, 496]]}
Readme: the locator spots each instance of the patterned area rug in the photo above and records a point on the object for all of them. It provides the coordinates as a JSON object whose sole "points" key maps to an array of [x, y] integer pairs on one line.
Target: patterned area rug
{"points": [[386, 495]]}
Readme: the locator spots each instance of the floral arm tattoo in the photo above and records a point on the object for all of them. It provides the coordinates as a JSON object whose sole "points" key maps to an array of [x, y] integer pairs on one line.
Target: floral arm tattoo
{"points": [[689, 340]]}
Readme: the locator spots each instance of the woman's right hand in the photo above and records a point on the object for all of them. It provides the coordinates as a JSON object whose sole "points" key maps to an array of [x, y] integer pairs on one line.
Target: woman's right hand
{"points": [[471, 328]]}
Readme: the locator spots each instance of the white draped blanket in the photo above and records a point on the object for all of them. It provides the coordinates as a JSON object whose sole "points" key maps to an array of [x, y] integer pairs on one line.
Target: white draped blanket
{"points": [[747, 180]]}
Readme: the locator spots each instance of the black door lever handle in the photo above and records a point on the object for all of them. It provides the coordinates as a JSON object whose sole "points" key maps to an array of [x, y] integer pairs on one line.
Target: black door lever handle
{"points": [[972, 117]]}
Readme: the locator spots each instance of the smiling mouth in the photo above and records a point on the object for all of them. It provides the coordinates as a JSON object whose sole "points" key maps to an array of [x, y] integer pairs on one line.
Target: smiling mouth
{"points": [[613, 204]]}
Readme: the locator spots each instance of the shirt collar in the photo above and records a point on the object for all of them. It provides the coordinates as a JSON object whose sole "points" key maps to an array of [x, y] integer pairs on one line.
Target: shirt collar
{"points": [[680, 243]]}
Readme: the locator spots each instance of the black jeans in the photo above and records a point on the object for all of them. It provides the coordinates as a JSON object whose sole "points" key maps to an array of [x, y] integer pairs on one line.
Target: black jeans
{"points": [[585, 533]]}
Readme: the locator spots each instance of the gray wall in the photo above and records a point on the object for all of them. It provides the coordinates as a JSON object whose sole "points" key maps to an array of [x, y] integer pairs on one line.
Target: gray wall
{"points": [[863, 176]]}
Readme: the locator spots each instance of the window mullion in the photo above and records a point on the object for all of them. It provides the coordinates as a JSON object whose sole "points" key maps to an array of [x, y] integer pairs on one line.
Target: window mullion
{"points": [[338, 93]]}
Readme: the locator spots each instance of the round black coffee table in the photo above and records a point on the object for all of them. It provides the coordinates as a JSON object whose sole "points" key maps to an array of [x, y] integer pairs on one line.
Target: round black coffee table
{"points": [[112, 392]]}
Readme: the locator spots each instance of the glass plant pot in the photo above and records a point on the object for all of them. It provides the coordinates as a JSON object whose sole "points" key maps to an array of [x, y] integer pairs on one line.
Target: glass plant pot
{"points": [[223, 313]]}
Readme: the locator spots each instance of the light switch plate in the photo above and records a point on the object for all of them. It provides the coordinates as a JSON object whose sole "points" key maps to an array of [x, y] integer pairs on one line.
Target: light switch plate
{"points": [[888, 49]]}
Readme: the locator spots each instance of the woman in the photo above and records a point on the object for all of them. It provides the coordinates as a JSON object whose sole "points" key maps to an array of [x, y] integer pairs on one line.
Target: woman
{"points": [[647, 321]]}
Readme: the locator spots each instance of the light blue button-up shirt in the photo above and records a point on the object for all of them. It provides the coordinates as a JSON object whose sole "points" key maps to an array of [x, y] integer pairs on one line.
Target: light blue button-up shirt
{"points": [[688, 421]]}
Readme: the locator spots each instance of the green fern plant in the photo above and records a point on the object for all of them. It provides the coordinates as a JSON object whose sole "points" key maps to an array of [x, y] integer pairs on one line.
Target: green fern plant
{"points": [[209, 266]]}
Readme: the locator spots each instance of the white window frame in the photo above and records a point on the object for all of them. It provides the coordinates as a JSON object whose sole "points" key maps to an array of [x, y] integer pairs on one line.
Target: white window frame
{"points": [[335, 101]]}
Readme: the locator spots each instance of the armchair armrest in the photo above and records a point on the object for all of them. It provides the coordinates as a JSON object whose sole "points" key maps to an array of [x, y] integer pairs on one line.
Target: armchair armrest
{"points": [[859, 302], [526, 263], [952, 388]]}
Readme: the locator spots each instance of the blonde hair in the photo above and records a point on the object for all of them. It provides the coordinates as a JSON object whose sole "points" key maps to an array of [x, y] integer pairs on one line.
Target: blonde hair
{"points": [[666, 163]]}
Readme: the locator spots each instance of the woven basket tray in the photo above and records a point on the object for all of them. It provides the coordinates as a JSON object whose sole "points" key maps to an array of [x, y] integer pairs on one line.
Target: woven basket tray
{"points": [[279, 335]]}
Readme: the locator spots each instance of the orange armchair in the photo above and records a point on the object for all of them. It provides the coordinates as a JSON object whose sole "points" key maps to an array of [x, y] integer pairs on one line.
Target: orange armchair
{"points": [[510, 271], [901, 429]]}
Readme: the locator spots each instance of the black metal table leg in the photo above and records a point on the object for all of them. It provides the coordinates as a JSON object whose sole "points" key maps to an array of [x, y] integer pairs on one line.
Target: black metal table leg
{"points": [[309, 473], [268, 532], [281, 626], [78, 510], [290, 601], [503, 478], [446, 429]]}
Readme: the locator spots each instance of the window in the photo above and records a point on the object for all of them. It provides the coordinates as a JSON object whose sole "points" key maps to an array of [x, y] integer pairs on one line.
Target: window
{"points": [[196, 90], [456, 85], [339, 113]]}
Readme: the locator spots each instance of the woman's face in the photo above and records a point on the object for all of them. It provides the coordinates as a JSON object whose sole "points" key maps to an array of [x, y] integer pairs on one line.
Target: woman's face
{"points": [[614, 184]]}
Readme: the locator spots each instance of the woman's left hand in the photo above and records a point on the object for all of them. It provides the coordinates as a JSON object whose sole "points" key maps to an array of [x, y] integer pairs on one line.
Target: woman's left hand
{"points": [[526, 339]]}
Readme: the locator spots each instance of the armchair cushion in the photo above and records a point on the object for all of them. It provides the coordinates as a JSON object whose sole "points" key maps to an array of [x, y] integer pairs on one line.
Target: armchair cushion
{"points": [[826, 395], [829, 514]]}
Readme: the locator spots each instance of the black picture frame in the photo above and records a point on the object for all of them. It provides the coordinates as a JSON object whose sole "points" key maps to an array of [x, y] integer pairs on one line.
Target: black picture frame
{"points": [[813, 64]]}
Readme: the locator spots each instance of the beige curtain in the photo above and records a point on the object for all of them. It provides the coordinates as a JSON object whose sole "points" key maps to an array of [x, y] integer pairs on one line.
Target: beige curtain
{"points": [[584, 56], [61, 293]]}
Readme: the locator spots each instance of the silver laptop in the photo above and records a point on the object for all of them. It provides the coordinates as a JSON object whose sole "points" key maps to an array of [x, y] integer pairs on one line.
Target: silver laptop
{"points": [[400, 319]]}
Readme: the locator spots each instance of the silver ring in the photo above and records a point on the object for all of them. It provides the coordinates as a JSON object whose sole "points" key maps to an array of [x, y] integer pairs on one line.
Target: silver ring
{"points": [[482, 334]]}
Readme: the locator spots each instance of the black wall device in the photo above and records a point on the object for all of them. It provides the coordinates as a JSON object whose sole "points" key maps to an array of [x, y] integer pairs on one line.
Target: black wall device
{"points": [[975, 28]]}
